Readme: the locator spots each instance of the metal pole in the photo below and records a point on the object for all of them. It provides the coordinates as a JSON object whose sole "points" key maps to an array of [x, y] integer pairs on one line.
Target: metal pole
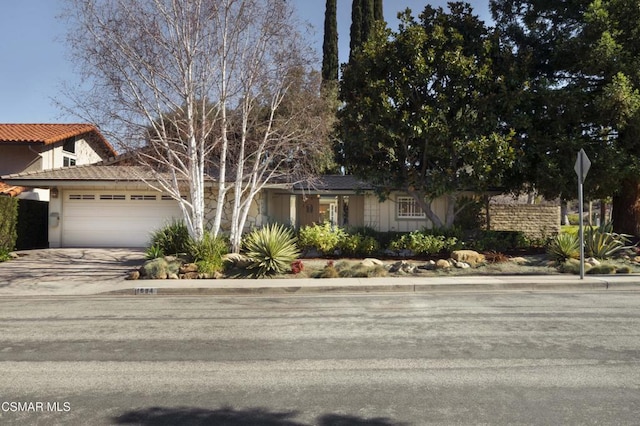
{"points": [[581, 213]]}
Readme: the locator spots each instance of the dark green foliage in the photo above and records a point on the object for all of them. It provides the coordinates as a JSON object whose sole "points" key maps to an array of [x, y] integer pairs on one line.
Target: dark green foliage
{"points": [[358, 245], [468, 215], [378, 12], [330, 44], [421, 243], [501, 241], [422, 104], [8, 224], [356, 28], [271, 250], [172, 239], [368, 19]]}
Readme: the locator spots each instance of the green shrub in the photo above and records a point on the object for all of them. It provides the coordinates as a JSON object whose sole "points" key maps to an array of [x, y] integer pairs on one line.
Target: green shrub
{"points": [[325, 237], [209, 252], [574, 219], [423, 244], [572, 266], [8, 224], [602, 269], [328, 271], [602, 243], [358, 245], [271, 250], [623, 270], [502, 241], [153, 252], [563, 247], [172, 239], [4, 255]]}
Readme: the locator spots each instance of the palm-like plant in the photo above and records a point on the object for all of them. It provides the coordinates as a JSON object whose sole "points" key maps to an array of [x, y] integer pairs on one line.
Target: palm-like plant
{"points": [[563, 247], [271, 250], [602, 243]]}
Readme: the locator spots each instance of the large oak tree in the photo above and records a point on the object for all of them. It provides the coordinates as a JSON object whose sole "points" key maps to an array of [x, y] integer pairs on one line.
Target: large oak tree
{"points": [[419, 109]]}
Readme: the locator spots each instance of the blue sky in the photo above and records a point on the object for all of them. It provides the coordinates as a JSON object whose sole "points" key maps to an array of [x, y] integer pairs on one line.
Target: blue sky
{"points": [[34, 60]]}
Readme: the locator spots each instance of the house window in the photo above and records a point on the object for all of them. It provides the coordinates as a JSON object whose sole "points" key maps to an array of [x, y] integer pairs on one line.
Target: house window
{"points": [[68, 161], [143, 198], [69, 145], [117, 197], [407, 208], [82, 197]]}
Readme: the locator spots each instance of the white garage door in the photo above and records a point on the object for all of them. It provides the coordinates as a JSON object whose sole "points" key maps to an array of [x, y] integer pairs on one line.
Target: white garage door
{"points": [[114, 219]]}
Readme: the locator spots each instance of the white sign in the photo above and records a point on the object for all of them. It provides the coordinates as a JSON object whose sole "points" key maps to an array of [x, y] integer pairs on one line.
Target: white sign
{"points": [[582, 165]]}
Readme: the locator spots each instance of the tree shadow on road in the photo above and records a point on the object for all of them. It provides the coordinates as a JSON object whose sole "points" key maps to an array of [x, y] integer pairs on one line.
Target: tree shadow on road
{"points": [[160, 416]]}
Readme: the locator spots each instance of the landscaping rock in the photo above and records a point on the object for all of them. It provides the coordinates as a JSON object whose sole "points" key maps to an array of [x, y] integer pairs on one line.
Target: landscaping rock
{"points": [[519, 260], [443, 264], [189, 276], [172, 276], [238, 260], [636, 259], [188, 267], [133, 275], [592, 261], [461, 265], [369, 262], [468, 256], [429, 266], [402, 267]]}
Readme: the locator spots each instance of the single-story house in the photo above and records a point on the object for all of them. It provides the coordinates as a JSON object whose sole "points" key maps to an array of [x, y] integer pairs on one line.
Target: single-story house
{"points": [[108, 204]]}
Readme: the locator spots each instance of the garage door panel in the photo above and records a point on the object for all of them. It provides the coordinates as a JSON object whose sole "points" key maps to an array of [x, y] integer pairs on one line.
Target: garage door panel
{"points": [[92, 222]]}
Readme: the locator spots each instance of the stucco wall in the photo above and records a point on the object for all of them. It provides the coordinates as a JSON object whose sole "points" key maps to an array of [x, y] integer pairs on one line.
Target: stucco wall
{"points": [[533, 220], [18, 158], [383, 215]]}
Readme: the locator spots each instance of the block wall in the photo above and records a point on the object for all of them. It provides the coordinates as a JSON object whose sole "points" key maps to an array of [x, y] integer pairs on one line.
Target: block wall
{"points": [[533, 220]]}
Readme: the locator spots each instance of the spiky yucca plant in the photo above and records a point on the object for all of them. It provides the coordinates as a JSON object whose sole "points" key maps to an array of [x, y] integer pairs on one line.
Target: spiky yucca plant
{"points": [[271, 250], [563, 247], [602, 243]]}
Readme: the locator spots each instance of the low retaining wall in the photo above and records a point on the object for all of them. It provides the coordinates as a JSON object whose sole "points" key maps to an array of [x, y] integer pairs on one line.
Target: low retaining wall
{"points": [[535, 221]]}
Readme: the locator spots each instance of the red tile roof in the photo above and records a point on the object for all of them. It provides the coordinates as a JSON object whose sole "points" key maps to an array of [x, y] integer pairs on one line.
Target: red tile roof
{"points": [[49, 133], [11, 190]]}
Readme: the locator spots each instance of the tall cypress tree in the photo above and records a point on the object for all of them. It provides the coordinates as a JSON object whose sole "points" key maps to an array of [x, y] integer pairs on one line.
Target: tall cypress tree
{"points": [[330, 44], [367, 20], [356, 27], [378, 14]]}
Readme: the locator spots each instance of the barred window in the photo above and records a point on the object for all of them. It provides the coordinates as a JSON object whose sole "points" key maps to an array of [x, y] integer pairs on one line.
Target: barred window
{"points": [[407, 208]]}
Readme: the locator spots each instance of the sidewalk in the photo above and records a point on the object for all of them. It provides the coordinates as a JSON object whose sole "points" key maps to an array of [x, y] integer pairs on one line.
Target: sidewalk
{"points": [[321, 286], [84, 272]]}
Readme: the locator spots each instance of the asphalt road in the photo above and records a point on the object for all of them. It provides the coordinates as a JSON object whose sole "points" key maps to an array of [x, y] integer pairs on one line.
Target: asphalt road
{"points": [[391, 359]]}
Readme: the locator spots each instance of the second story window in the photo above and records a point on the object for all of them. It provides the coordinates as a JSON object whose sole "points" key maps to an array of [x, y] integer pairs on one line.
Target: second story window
{"points": [[69, 145], [68, 161]]}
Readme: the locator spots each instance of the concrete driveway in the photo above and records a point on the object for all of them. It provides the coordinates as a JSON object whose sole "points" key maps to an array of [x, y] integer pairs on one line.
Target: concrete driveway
{"points": [[68, 265]]}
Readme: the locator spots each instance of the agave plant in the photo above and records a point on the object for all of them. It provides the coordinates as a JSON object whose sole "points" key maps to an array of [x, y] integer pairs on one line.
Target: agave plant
{"points": [[602, 243], [271, 250], [563, 247]]}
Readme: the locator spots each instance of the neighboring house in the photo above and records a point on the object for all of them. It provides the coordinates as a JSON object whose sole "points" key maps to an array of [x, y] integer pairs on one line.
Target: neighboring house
{"points": [[37, 147], [109, 205]]}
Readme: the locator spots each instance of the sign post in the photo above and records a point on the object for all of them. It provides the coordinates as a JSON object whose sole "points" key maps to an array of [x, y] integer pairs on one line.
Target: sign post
{"points": [[582, 168]]}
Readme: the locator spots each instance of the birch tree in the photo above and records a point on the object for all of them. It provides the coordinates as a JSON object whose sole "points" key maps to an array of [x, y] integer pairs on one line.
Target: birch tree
{"points": [[201, 88]]}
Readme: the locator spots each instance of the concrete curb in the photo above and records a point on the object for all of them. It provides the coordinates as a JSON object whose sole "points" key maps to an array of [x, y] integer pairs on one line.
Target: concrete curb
{"points": [[354, 285]]}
